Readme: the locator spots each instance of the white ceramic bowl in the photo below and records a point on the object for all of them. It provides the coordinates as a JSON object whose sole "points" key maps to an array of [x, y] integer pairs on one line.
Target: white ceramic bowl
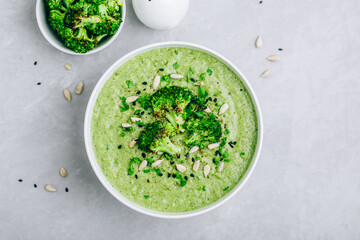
{"points": [[55, 41], [91, 155]]}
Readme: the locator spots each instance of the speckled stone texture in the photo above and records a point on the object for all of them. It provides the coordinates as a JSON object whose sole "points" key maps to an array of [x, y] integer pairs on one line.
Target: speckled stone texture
{"points": [[307, 182]]}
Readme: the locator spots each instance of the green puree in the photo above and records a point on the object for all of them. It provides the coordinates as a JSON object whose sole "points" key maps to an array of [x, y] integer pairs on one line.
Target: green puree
{"points": [[164, 193]]}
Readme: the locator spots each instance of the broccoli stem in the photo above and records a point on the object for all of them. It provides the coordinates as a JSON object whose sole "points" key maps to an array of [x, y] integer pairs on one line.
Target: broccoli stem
{"points": [[165, 145], [175, 120]]}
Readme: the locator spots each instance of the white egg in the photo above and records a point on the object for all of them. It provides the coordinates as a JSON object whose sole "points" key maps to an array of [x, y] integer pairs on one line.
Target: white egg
{"points": [[161, 14]]}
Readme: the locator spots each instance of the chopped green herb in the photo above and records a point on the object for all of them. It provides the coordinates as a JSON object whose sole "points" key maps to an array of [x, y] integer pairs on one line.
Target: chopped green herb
{"points": [[183, 182], [204, 188], [146, 196], [125, 106], [226, 160], [202, 92], [176, 65], [181, 161], [217, 93], [137, 112], [107, 146], [116, 161], [226, 154], [178, 176], [226, 132], [131, 165], [145, 101], [202, 76], [158, 171], [129, 83], [168, 156], [146, 171], [122, 134], [150, 161], [165, 78], [226, 188], [242, 154], [209, 71]]}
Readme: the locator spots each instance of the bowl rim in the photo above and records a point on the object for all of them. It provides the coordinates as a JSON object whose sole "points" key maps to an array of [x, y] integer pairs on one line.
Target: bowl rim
{"points": [[91, 155], [50, 38]]}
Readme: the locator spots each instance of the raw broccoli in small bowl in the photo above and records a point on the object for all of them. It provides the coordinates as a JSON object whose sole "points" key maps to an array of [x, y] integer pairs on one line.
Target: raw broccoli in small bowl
{"points": [[83, 24]]}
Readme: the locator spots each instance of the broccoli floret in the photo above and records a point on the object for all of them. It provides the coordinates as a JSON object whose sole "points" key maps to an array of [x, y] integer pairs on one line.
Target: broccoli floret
{"points": [[56, 19], [203, 131], [79, 42], [156, 138], [170, 102], [54, 4]]}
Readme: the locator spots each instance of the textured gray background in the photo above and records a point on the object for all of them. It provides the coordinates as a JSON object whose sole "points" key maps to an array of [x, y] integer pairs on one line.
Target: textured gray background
{"points": [[307, 182]]}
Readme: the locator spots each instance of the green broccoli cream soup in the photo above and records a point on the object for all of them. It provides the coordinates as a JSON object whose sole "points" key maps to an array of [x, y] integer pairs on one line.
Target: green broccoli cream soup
{"points": [[174, 129]]}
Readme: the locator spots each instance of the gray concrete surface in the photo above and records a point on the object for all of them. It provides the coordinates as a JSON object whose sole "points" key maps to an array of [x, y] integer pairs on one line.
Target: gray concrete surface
{"points": [[307, 182]]}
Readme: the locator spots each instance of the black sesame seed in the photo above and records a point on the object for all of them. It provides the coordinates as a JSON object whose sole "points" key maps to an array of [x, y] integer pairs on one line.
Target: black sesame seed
{"points": [[134, 103], [148, 180], [136, 176], [140, 125], [280, 49], [144, 83], [240, 89], [161, 69], [230, 144], [143, 155], [214, 160], [39, 83], [193, 159], [66, 189], [142, 113], [192, 79], [215, 100], [192, 175], [138, 92], [210, 99], [169, 175], [20, 180], [178, 155], [186, 178], [217, 152], [120, 146], [172, 162], [160, 174], [187, 155], [35, 186], [174, 175], [234, 143], [35, 63], [206, 100], [259, 2]]}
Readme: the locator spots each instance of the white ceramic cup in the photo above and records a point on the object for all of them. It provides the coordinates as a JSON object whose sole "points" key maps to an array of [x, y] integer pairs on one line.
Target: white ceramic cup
{"points": [[91, 155], [55, 41]]}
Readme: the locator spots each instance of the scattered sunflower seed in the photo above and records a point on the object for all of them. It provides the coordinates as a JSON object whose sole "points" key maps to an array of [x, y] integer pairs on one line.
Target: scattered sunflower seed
{"points": [[266, 73], [199, 83], [223, 108], [194, 149], [213, 145], [176, 76], [259, 42], [206, 170], [63, 172], [207, 110], [132, 143], [67, 95], [50, 188], [131, 99], [160, 153], [142, 165], [196, 165], [68, 66], [126, 125], [135, 119], [220, 167], [79, 88], [156, 82], [156, 163], [273, 58], [181, 168]]}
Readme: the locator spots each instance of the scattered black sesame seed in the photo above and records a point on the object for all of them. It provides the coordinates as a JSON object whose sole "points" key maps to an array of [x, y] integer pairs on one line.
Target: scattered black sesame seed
{"points": [[280, 49], [134, 103], [169, 175], [66, 189], [234, 143], [174, 175], [192, 175], [144, 83], [206, 100], [143, 155], [35, 186], [148, 180], [39, 83], [192, 79], [20, 180], [160, 174], [172, 162], [140, 125], [215, 100], [120, 146], [161, 69], [230, 144], [35, 63], [193, 159], [138, 92], [221, 159], [144, 89], [136, 176], [142, 113], [240, 89], [187, 155], [178, 155], [186, 178], [259, 2], [214, 160], [210, 98]]}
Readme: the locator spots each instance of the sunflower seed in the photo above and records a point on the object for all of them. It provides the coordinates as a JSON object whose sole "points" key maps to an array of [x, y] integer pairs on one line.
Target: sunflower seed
{"points": [[207, 110], [131, 99], [194, 149], [199, 83], [181, 168], [142, 165], [135, 119], [63, 172], [126, 125], [220, 167], [266, 73], [68, 67], [223, 108], [156, 82], [196, 165], [176, 76], [273, 58], [50, 188], [259, 42], [79, 88], [206, 170], [160, 153], [156, 163], [213, 145], [132, 143], [67, 95]]}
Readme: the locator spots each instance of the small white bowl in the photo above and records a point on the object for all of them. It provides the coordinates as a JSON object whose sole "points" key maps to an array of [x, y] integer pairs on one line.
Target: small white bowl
{"points": [[55, 41], [91, 155]]}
